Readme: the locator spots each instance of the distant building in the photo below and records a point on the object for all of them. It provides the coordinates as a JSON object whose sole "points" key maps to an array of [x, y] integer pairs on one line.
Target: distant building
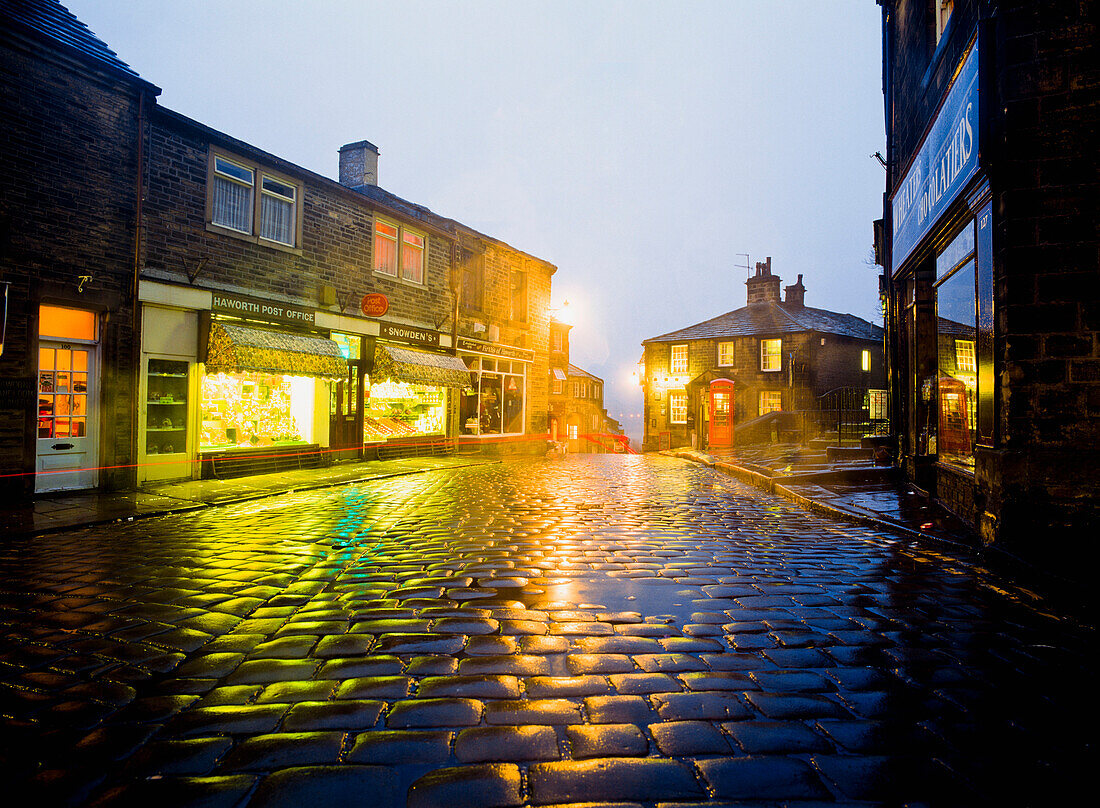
{"points": [[989, 243], [578, 417], [717, 382]]}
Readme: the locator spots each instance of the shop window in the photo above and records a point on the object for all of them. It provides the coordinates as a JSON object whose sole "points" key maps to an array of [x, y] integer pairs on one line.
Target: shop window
{"points": [[496, 404], [519, 296], [256, 409], [396, 409], [865, 360], [771, 354], [956, 331], [232, 200], [678, 359], [677, 408], [725, 354], [399, 251], [770, 401]]}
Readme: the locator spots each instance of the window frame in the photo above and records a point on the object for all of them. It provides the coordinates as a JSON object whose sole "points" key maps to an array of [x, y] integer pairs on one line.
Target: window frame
{"points": [[260, 173], [673, 407], [766, 355], [730, 363], [674, 363], [518, 296], [865, 359], [399, 242], [760, 402]]}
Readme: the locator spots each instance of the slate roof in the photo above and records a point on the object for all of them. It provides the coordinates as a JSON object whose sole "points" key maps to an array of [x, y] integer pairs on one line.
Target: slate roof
{"points": [[49, 19], [767, 319], [576, 371]]}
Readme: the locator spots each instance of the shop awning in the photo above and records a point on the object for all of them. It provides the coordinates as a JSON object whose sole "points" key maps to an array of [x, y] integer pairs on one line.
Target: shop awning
{"points": [[236, 348], [419, 367], [559, 374]]}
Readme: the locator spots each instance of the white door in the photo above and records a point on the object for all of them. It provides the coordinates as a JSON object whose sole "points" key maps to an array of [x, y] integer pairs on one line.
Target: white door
{"points": [[68, 420]]}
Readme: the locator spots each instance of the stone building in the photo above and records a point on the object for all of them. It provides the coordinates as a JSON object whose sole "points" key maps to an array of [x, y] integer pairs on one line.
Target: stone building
{"points": [[989, 244], [578, 417], [268, 317], [717, 382], [70, 158]]}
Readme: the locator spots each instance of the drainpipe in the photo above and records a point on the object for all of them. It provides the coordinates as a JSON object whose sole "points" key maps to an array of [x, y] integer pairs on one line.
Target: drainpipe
{"points": [[136, 324]]}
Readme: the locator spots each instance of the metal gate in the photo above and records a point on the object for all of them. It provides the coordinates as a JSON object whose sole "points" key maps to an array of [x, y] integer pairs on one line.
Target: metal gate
{"points": [[850, 413]]}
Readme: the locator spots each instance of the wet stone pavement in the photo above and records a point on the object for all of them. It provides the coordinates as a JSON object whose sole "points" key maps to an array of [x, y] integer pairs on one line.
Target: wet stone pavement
{"points": [[611, 630]]}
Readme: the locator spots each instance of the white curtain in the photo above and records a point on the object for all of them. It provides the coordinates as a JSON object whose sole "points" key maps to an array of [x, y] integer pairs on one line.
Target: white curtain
{"points": [[276, 219], [232, 205]]}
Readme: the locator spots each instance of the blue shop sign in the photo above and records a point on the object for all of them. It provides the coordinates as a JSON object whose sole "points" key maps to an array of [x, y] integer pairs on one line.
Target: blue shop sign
{"points": [[946, 162]]}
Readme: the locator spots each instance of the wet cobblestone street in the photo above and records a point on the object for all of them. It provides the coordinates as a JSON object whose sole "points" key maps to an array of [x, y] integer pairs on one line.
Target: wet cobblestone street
{"points": [[627, 630]]}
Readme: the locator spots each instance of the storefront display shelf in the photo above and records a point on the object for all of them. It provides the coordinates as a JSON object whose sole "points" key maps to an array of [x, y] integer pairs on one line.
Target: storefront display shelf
{"points": [[169, 375], [166, 429]]}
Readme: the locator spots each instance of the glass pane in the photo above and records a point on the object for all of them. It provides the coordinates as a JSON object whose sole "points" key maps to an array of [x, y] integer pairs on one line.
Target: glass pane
{"points": [[412, 263], [385, 229], [232, 205], [489, 405], [223, 166], [78, 428], [63, 405], [45, 406], [62, 383], [45, 359], [45, 383], [64, 360], [80, 405], [45, 427], [80, 382], [385, 254], [277, 219], [80, 360], [61, 428], [961, 247], [55, 321], [958, 383], [281, 188]]}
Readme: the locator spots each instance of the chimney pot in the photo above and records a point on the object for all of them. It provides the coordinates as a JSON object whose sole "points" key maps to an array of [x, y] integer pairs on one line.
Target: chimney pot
{"points": [[763, 287], [359, 164], [795, 294]]}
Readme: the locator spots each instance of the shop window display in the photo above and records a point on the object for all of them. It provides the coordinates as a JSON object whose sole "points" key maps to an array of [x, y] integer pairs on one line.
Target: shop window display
{"points": [[496, 405], [256, 409], [399, 409]]}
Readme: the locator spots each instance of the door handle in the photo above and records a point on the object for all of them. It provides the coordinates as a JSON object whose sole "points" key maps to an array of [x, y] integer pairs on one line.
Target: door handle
{"points": [[62, 446]]}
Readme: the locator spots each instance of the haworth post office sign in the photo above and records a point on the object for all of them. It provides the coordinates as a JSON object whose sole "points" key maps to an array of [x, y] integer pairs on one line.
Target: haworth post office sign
{"points": [[946, 162], [257, 308]]}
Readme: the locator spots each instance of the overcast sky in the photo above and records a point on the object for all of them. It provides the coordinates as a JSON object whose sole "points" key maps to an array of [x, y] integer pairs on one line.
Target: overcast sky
{"points": [[642, 147]]}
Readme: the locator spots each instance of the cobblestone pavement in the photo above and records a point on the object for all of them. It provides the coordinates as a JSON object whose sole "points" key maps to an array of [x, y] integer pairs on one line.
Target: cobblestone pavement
{"points": [[611, 630]]}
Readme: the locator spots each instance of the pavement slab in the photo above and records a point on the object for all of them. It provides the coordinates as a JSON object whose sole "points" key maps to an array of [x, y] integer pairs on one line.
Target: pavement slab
{"points": [[617, 630]]}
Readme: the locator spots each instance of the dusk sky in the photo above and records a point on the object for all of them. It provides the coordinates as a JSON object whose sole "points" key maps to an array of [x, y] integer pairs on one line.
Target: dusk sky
{"points": [[642, 147]]}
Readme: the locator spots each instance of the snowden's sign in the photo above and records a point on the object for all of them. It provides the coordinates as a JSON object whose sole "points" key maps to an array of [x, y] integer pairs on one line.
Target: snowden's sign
{"points": [[946, 162]]}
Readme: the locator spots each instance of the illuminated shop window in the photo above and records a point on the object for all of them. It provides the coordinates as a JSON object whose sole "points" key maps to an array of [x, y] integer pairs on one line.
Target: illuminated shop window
{"points": [[496, 404], [256, 409], [956, 328]]}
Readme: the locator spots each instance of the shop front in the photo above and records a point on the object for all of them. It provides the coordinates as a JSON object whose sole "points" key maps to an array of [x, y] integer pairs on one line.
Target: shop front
{"points": [[411, 393], [495, 405], [942, 280]]}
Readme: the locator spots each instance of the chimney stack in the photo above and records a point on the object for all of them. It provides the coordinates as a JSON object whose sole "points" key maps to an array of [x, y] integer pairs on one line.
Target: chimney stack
{"points": [[763, 286], [359, 164], [795, 294]]}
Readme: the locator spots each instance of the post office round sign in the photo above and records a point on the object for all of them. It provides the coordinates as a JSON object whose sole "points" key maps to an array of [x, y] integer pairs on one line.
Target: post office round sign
{"points": [[374, 304]]}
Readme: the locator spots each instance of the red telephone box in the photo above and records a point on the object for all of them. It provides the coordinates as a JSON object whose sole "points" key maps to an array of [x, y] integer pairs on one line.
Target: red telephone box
{"points": [[720, 410], [954, 437]]}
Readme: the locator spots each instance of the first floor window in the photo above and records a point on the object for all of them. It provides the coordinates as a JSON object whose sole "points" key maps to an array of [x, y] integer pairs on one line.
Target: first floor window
{"points": [[558, 386], [233, 203], [677, 408], [678, 359], [472, 274], [865, 360], [770, 401], [771, 354], [725, 353], [398, 251]]}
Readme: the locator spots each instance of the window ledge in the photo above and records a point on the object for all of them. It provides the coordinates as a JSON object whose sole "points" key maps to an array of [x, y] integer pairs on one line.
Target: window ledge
{"points": [[395, 279], [252, 239]]}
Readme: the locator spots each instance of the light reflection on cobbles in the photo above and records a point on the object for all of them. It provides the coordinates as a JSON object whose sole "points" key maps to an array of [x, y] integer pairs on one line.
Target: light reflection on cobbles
{"points": [[609, 629]]}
